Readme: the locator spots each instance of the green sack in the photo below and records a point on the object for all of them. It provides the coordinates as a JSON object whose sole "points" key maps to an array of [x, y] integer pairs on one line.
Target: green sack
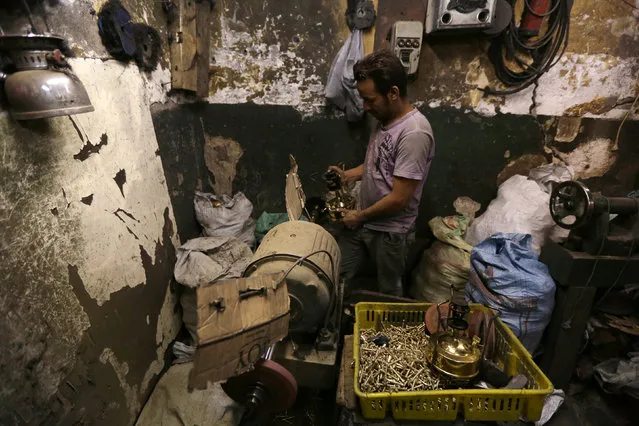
{"points": [[446, 263], [266, 222]]}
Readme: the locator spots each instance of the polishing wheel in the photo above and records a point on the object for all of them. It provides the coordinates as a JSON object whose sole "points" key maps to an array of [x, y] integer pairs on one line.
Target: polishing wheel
{"points": [[268, 387]]}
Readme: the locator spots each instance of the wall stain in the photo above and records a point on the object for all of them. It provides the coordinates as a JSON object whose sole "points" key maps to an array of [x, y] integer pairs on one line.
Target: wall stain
{"points": [[521, 166], [120, 328], [120, 179], [129, 215], [45, 349], [66, 200], [89, 148], [592, 158], [42, 320], [87, 200], [221, 156], [597, 106], [131, 232], [567, 129]]}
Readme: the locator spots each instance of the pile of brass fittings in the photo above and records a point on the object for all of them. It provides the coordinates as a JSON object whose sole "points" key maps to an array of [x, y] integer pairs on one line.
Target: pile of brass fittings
{"points": [[443, 352], [395, 359], [338, 199]]}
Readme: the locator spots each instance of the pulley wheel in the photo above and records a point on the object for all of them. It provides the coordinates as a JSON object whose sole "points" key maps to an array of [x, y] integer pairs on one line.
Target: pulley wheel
{"points": [[571, 204], [278, 385]]}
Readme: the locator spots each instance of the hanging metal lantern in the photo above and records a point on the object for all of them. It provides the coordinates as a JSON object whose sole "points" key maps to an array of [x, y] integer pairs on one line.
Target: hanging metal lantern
{"points": [[38, 81]]}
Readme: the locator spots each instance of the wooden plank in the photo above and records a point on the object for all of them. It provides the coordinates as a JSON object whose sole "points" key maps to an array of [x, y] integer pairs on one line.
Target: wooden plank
{"points": [[565, 332], [189, 46], [234, 355], [223, 308], [237, 320], [345, 393], [571, 268], [203, 23], [369, 34]]}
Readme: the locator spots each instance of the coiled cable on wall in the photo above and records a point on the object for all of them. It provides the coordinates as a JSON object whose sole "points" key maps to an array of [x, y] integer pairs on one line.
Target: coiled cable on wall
{"points": [[520, 61]]}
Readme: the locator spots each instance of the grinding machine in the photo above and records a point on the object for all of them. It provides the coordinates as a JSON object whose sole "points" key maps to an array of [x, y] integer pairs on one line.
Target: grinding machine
{"points": [[310, 257], [601, 254]]}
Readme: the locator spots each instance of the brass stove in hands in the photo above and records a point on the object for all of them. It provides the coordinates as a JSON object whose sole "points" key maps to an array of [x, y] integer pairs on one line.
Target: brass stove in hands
{"points": [[338, 199]]}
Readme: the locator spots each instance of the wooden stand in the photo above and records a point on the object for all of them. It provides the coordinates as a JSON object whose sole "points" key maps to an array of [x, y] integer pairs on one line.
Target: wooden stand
{"points": [[573, 303]]}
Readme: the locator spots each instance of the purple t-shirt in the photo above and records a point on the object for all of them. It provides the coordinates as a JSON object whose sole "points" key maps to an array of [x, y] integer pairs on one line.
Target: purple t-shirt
{"points": [[404, 149]]}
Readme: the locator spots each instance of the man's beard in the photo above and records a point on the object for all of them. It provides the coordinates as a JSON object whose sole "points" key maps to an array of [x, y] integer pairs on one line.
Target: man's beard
{"points": [[384, 113]]}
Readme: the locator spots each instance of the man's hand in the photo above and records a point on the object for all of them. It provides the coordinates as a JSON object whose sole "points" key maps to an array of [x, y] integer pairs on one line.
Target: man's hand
{"points": [[352, 219], [340, 172], [350, 175]]}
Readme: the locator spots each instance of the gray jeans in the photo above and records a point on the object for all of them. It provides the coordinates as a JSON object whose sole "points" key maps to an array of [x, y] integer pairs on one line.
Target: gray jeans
{"points": [[386, 250]]}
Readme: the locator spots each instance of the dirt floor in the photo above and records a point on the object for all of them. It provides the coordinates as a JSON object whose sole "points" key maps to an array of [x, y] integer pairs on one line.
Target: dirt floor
{"points": [[585, 405]]}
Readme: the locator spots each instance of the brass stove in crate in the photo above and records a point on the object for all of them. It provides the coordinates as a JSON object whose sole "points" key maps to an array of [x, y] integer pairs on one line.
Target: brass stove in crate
{"points": [[456, 355], [446, 404]]}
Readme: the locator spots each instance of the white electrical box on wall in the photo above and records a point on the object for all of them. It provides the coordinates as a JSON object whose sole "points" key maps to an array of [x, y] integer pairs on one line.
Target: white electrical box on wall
{"points": [[406, 43], [449, 15]]}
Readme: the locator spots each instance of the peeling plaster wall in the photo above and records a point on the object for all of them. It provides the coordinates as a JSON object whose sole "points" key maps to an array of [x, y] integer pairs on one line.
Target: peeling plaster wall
{"points": [[275, 52], [87, 241], [601, 62], [270, 61], [280, 53]]}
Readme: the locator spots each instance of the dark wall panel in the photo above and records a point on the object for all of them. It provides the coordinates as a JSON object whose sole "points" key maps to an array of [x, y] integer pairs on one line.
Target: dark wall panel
{"points": [[470, 153]]}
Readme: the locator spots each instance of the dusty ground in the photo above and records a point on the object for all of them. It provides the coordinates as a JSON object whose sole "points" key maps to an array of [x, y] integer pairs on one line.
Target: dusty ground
{"points": [[585, 405]]}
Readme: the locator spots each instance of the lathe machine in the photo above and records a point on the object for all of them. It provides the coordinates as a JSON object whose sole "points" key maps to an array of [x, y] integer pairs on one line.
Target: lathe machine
{"points": [[601, 254]]}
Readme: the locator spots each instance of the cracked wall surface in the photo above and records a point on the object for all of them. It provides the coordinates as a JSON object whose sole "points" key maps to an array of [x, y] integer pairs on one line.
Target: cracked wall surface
{"points": [[274, 52], [279, 53], [87, 241]]}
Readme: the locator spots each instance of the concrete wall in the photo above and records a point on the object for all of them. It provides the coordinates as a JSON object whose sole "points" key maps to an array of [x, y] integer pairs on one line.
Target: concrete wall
{"points": [[279, 53], [87, 306], [87, 242], [271, 60]]}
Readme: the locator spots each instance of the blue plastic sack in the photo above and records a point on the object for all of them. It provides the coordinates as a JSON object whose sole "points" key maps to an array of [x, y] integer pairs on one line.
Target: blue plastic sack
{"points": [[506, 275]]}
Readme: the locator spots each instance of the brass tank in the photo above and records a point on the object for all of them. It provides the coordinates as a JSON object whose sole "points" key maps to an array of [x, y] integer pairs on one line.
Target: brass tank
{"points": [[455, 355]]}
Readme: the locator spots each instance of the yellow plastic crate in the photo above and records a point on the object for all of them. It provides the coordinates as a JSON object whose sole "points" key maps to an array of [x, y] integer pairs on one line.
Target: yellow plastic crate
{"points": [[475, 404]]}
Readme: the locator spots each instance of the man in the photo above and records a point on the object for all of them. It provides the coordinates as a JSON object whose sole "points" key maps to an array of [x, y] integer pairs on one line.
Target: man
{"points": [[400, 150]]}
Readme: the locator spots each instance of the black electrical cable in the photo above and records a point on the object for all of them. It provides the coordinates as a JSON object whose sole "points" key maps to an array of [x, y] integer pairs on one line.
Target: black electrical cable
{"points": [[545, 50], [332, 304]]}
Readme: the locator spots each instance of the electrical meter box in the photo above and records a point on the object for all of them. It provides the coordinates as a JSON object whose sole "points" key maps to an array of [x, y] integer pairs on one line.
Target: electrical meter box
{"points": [[406, 43], [459, 15]]}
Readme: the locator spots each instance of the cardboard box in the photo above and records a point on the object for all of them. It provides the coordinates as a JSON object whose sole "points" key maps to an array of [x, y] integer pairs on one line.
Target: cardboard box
{"points": [[237, 321]]}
